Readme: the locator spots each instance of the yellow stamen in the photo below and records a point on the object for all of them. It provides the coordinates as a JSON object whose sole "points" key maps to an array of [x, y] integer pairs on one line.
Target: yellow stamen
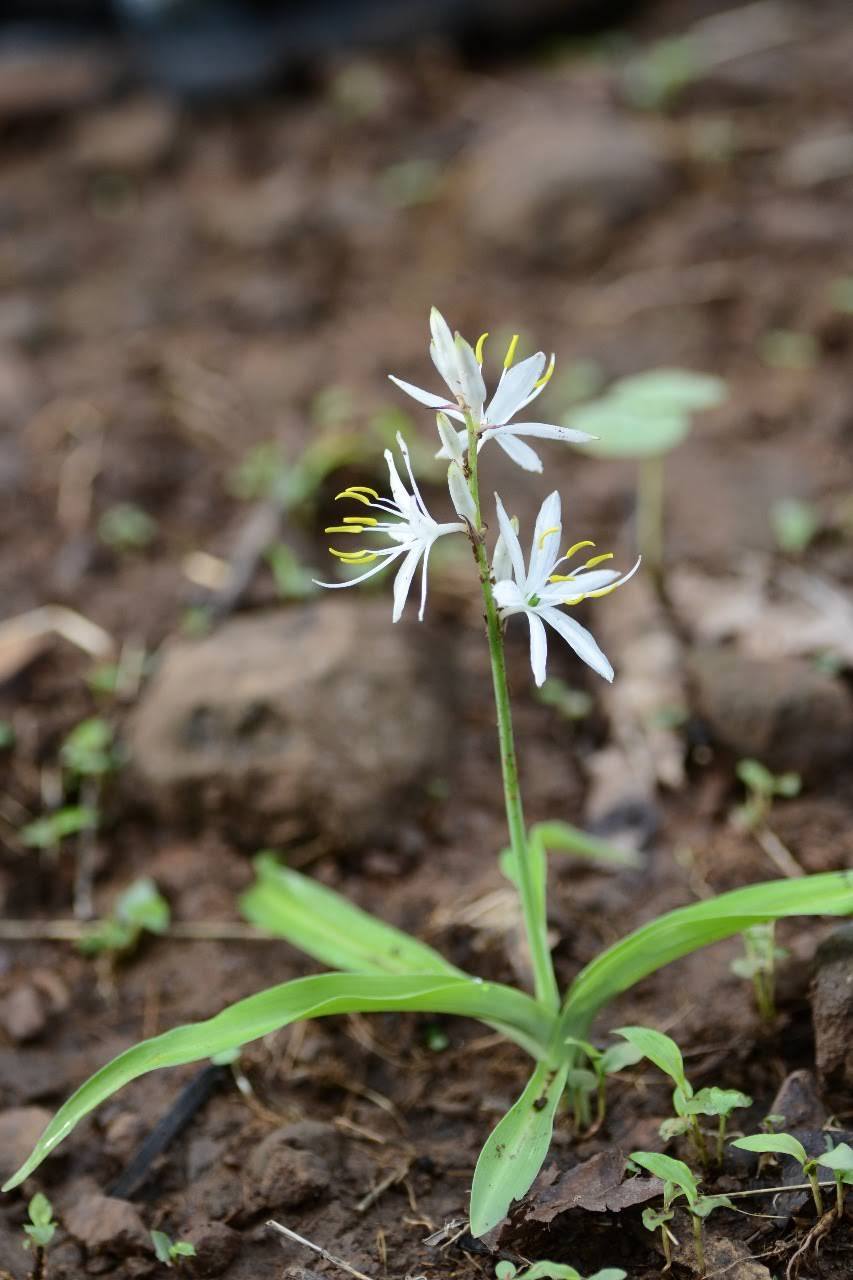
{"points": [[602, 591], [510, 351], [572, 600], [361, 520], [590, 564], [344, 528], [578, 546], [354, 557], [478, 350], [546, 533], [562, 577], [546, 376], [359, 492]]}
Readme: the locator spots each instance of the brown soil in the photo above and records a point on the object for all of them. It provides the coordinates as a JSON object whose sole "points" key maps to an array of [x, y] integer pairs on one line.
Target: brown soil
{"points": [[164, 314]]}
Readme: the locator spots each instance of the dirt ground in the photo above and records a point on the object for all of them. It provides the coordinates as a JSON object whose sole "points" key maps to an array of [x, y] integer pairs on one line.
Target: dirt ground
{"points": [[179, 287]]}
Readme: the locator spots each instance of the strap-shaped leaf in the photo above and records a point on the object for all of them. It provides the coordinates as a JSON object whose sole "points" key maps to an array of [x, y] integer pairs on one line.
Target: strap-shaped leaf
{"points": [[687, 929], [516, 1149], [326, 926], [258, 1015]]}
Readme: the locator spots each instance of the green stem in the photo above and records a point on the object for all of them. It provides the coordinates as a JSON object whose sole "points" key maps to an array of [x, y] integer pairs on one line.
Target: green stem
{"points": [[532, 905], [816, 1193], [698, 1244], [650, 491]]}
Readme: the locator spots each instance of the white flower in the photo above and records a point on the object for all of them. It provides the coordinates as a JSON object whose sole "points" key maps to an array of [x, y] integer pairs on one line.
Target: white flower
{"points": [[519, 385], [538, 590], [411, 532]]}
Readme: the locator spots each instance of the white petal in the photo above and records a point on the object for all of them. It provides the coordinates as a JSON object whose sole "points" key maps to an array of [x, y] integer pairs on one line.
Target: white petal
{"points": [[514, 388], [442, 349], [404, 449], [427, 550], [451, 439], [403, 580], [511, 542], [579, 639], [538, 647], [545, 549], [398, 490], [423, 397], [501, 562], [546, 431], [471, 385], [508, 596], [520, 452], [353, 582], [460, 494]]}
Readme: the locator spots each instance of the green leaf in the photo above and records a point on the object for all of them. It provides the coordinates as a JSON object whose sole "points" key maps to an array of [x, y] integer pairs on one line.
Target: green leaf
{"points": [[315, 997], [716, 1102], [706, 1205], [505, 1270], [326, 926], [678, 390], [515, 1149], [674, 1127], [689, 928], [550, 1271], [656, 1218], [48, 831], [162, 1247], [561, 837], [609, 1273], [183, 1249], [617, 1057], [756, 777], [627, 431], [669, 1170], [143, 906], [40, 1210], [774, 1143], [839, 1159], [659, 1049], [795, 524]]}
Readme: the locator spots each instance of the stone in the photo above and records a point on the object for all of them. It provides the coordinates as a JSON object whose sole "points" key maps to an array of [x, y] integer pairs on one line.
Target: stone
{"points": [[782, 712], [132, 136], [281, 1175], [832, 1012], [216, 1246], [799, 1102], [20, 1130], [22, 1013], [106, 1225], [556, 187], [314, 720]]}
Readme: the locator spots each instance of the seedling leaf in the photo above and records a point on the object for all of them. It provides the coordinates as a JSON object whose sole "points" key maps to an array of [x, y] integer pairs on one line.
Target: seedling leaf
{"points": [[774, 1144], [669, 1170], [659, 1049]]}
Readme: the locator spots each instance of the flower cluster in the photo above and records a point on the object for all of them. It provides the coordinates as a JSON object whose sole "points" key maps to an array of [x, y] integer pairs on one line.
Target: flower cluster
{"points": [[537, 588]]}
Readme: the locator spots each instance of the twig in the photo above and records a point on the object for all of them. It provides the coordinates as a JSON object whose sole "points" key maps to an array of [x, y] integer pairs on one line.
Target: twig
{"points": [[318, 1249], [396, 1175], [778, 853]]}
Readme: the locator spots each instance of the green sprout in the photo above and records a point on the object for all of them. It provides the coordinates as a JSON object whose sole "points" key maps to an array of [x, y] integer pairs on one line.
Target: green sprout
{"points": [[572, 704], [40, 1231], [758, 965], [840, 1161], [657, 76], [795, 525], [584, 1082], [141, 908], [126, 527], [644, 417], [89, 750], [170, 1251], [552, 1271], [784, 1144], [371, 966], [688, 1103], [678, 1180], [762, 788], [49, 831]]}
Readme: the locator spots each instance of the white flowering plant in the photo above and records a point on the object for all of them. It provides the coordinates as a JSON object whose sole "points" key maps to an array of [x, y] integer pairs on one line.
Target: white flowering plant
{"points": [[374, 967]]}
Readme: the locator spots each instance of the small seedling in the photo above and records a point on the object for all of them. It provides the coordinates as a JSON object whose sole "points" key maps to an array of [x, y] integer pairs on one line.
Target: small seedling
{"points": [[89, 750], [572, 704], [784, 1144], [126, 527], [644, 417], [141, 908], [678, 1180], [687, 1103], [795, 525], [170, 1251], [584, 1082], [553, 1271], [840, 1161], [758, 965], [40, 1231], [762, 788], [51, 829]]}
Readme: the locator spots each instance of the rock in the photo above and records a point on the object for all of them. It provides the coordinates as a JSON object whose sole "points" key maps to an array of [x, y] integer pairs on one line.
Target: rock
{"points": [[20, 1130], [799, 1102], [105, 1225], [783, 712], [832, 1012], [22, 1013], [315, 720], [556, 187], [216, 1246], [132, 136], [283, 1176]]}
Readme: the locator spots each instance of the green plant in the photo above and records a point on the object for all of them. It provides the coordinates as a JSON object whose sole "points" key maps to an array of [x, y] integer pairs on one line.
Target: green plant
{"points": [[785, 1144], [126, 527], [758, 965], [49, 831], [678, 1180], [584, 1082], [292, 580], [644, 417], [171, 1251], [654, 78], [840, 1161], [795, 525], [688, 1103], [552, 1271], [762, 787], [40, 1231], [7, 735], [89, 750], [141, 908], [376, 967]]}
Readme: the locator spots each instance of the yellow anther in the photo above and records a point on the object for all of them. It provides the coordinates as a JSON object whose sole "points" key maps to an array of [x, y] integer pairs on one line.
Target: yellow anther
{"points": [[602, 591], [562, 577], [578, 546], [546, 376], [361, 520], [590, 564], [344, 528], [546, 533], [354, 557], [572, 600], [359, 492], [510, 351], [478, 350]]}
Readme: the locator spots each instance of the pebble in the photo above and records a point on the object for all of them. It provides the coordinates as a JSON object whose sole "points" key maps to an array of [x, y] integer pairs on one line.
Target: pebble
{"points": [[283, 1176], [106, 1225], [832, 1012], [22, 1013]]}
